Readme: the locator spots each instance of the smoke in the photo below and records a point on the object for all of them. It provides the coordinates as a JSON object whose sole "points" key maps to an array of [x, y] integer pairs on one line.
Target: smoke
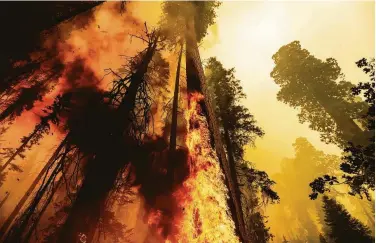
{"points": [[159, 172], [83, 47]]}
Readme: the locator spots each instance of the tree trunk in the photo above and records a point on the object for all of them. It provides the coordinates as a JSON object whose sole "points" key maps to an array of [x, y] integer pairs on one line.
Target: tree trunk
{"points": [[196, 83], [48, 201], [351, 131], [4, 200], [100, 175], [232, 165], [174, 120], [32, 187], [22, 147], [8, 111]]}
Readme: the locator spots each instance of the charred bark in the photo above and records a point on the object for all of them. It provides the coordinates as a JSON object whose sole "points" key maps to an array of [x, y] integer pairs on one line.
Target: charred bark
{"points": [[196, 83], [174, 120]]}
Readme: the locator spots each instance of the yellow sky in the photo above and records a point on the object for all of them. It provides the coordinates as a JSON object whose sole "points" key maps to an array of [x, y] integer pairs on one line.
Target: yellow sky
{"points": [[246, 36]]}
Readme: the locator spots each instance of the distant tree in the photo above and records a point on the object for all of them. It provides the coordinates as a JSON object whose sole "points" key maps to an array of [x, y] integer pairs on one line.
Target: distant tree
{"points": [[342, 226], [293, 186], [358, 162], [52, 113], [23, 101], [317, 88], [36, 85]]}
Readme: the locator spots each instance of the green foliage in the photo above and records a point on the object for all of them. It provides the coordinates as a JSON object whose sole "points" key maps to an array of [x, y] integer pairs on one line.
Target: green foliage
{"points": [[343, 227], [317, 88], [177, 13]]}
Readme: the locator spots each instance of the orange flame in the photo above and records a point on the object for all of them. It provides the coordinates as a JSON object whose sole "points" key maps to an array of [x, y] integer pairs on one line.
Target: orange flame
{"points": [[204, 214]]}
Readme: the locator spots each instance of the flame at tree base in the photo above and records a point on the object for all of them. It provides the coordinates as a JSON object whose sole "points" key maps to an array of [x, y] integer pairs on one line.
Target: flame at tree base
{"points": [[203, 214]]}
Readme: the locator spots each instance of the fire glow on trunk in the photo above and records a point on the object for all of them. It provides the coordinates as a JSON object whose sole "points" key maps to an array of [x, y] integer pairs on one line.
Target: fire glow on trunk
{"points": [[203, 214]]}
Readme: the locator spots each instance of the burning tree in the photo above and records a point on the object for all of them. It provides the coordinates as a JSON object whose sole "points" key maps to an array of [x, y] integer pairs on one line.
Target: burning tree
{"points": [[107, 130], [189, 21], [118, 120]]}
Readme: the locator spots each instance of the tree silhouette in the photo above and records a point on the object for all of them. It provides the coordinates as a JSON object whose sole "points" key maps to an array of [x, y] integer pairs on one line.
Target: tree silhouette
{"points": [[47, 187], [18, 99], [174, 120], [238, 129], [358, 162], [101, 128], [342, 226], [53, 111], [131, 107], [237, 123], [253, 184], [314, 86]]}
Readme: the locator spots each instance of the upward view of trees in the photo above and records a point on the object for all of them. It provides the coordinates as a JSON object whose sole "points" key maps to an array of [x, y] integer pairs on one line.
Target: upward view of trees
{"points": [[108, 155], [333, 107]]}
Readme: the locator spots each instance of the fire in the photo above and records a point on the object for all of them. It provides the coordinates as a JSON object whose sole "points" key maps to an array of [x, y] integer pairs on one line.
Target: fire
{"points": [[204, 215]]}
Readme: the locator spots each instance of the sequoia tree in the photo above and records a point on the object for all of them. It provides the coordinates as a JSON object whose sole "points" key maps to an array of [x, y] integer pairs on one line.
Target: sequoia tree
{"points": [[317, 88], [191, 20], [358, 161]]}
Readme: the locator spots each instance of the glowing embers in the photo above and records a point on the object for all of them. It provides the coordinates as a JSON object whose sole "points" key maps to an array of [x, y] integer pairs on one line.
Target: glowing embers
{"points": [[202, 198]]}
